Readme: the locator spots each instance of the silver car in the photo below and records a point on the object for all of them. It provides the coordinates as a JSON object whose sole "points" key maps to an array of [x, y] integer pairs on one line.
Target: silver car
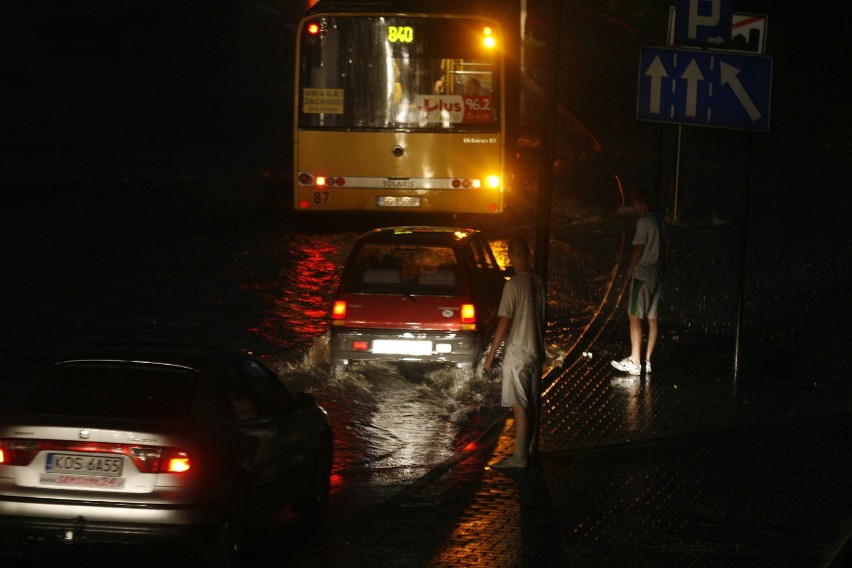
{"points": [[126, 445]]}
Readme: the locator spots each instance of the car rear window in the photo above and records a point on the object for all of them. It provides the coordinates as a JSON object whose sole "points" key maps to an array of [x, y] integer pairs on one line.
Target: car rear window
{"points": [[137, 391], [405, 269]]}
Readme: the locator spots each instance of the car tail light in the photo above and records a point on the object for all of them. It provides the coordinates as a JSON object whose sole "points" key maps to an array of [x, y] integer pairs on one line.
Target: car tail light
{"points": [[468, 314], [148, 459], [177, 462], [154, 459], [360, 346], [338, 310], [17, 452]]}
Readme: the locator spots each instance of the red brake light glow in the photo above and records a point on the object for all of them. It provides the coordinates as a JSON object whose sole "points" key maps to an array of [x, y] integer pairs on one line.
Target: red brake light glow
{"points": [[148, 459], [178, 462], [17, 452], [338, 311], [468, 313]]}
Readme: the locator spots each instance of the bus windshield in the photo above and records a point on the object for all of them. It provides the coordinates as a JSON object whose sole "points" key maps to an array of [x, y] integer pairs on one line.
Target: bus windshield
{"points": [[391, 72]]}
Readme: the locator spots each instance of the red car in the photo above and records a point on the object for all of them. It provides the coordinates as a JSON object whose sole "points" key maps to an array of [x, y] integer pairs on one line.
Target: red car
{"points": [[421, 294]]}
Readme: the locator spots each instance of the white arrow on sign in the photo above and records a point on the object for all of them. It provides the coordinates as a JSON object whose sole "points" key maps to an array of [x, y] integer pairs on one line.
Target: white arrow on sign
{"points": [[657, 72], [728, 74], [693, 75]]}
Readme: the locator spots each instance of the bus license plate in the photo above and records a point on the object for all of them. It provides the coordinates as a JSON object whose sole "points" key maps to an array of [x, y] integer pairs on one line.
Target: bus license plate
{"points": [[397, 201]]}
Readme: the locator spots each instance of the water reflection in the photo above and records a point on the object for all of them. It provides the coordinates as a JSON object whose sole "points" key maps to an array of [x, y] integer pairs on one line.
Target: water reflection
{"points": [[299, 295], [392, 422], [585, 404], [634, 394]]}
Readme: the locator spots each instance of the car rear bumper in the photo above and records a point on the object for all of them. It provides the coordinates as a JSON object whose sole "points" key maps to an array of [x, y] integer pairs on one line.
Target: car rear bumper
{"points": [[81, 529], [95, 522], [461, 349]]}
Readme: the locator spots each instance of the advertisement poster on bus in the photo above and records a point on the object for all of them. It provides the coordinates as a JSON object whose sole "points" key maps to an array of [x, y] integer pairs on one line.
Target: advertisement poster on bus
{"points": [[455, 109]]}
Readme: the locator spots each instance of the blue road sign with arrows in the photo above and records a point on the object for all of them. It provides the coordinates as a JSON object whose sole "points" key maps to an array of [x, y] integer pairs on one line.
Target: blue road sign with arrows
{"points": [[704, 88]]}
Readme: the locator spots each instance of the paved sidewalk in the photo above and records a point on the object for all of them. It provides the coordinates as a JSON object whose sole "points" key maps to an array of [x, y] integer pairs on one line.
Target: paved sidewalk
{"points": [[681, 468], [675, 470]]}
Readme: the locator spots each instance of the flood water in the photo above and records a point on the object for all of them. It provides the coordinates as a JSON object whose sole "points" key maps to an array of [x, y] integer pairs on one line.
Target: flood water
{"points": [[112, 264]]}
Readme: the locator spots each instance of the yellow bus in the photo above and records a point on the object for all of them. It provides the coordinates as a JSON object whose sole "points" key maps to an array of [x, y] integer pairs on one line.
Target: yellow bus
{"points": [[399, 109]]}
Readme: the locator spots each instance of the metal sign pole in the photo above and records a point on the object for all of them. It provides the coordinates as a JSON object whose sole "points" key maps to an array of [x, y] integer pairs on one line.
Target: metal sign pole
{"points": [[545, 185], [743, 249], [676, 188], [658, 173]]}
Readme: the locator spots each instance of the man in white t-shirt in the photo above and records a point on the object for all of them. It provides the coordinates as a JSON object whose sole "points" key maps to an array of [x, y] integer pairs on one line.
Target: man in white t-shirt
{"points": [[521, 324], [644, 272]]}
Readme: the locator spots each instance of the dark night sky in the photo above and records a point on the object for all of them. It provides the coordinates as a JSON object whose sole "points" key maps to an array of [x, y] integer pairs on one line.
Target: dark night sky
{"points": [[98, 91], [134, 71]]}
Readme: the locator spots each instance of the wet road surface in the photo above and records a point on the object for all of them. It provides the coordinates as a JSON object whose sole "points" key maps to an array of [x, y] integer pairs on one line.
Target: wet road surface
{"points": [[110, 264], [110, 259]]}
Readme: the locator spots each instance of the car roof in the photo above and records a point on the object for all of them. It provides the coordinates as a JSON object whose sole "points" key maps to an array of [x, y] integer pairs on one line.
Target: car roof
{"points": [[451, 236], [190, 357]]}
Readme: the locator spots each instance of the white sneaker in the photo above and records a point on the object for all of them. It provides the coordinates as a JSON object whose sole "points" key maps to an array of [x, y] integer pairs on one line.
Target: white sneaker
{"points": [[512, 462], [647, 366], [627, 366]]}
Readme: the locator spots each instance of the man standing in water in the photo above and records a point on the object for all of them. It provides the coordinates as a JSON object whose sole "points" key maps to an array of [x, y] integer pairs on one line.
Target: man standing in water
{"points": [[521, 325], [644, 272]]}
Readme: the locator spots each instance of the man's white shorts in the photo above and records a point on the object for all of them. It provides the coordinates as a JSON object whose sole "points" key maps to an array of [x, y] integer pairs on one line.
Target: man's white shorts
{"points": [[519, 376], [644, 298]]}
